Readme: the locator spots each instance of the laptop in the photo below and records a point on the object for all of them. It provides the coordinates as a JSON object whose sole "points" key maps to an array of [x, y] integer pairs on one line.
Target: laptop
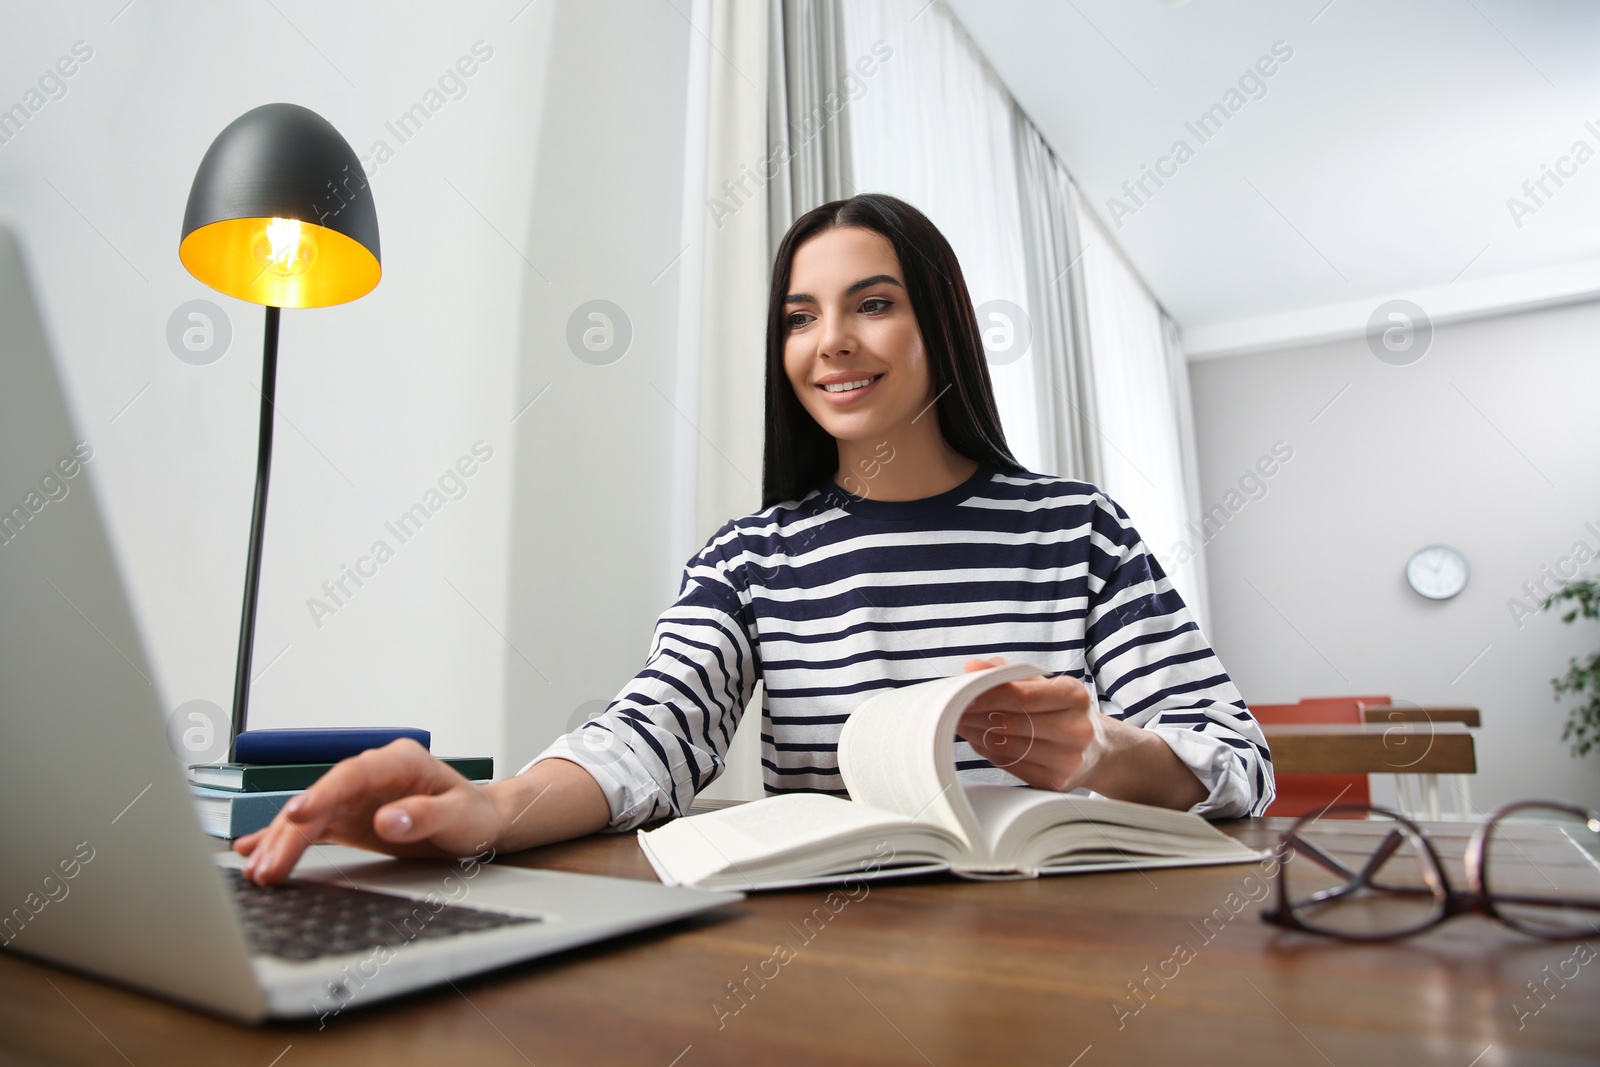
{"points": [[103, 865]]}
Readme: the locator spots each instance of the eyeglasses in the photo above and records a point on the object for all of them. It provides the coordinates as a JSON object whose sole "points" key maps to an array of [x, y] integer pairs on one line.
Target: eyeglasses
{"points": [[1533, 865]]}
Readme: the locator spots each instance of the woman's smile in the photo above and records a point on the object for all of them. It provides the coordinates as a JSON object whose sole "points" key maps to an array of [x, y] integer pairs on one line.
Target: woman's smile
{"points": [[847, 387]]}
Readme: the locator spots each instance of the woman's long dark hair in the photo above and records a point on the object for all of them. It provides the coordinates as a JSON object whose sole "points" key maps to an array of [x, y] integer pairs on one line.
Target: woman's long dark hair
{"points": [[799, 454]]}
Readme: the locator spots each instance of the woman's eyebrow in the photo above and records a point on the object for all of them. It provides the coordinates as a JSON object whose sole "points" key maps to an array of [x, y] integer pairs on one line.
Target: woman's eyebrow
{"points": [[807, 298], [874, 280]]}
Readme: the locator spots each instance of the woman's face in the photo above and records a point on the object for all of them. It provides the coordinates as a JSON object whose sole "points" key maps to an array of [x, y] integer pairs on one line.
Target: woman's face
{"points": [[853, 351]]}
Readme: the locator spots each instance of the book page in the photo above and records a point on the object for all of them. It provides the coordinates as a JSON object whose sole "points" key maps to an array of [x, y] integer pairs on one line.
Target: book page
{"points": [[997, 807], [1034, 829], [897, 750], [753, 835]]}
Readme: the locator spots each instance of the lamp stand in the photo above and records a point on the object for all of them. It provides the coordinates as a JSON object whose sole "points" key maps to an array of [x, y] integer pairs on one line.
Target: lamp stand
{"points": [[258, 516]]}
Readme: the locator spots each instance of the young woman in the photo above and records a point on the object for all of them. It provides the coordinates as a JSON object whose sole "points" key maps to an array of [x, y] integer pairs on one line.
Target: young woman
{"points": [[899, 541]]}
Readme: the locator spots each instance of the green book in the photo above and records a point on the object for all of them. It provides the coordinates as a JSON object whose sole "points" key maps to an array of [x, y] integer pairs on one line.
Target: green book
{"points": [[278, 777], [226, 814]]}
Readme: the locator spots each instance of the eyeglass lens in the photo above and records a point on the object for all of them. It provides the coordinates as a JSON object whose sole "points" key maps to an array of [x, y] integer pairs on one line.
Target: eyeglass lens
{"points": [[1362, 878], [1541, 866]]}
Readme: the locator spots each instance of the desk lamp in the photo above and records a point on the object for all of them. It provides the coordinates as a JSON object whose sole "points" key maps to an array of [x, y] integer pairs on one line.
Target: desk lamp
{"points": [[280, 214]]}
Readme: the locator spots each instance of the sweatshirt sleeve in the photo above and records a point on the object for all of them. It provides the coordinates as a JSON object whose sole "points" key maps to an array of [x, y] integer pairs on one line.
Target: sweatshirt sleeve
{"points": [[664, 737], [1152, 667]]}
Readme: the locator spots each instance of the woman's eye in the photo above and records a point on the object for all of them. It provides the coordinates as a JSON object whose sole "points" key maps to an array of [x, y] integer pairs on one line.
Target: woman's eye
{"points": [[876, 304], [797, 319]]}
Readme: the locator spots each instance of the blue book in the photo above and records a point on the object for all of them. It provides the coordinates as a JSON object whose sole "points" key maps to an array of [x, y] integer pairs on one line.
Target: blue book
{"points": [[319, 745], [226, 814]]}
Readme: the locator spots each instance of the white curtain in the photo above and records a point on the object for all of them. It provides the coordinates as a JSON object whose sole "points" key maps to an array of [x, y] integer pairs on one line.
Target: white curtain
{"points": [[1141, 395], [932, 125], [1194, 585], [729, 363], [1053, 242], [733, 313], [808, 109]]}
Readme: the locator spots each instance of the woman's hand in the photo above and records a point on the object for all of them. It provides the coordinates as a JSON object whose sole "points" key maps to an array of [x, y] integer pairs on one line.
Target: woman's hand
{"points": [[397, 799], [1040, 729], [1045, 731]]}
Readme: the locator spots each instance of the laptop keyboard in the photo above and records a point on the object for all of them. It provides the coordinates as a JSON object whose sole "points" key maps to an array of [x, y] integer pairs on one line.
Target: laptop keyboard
{"points": [[308, 920]]}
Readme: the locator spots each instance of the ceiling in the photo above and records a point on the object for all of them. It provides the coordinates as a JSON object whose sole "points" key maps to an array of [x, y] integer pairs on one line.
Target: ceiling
{"points": [[1376, 161]]}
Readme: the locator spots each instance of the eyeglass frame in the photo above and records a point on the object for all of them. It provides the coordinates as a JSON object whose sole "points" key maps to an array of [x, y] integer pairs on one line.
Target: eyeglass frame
{"points": [[1474, 900]]}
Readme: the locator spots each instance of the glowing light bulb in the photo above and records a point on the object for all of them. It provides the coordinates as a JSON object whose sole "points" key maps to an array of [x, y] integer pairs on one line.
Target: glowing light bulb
{"points": [[286, 248], [284, 237]]}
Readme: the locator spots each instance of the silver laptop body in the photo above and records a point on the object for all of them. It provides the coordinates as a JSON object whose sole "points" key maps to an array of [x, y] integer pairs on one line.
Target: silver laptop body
{"points": [[103, 866]]}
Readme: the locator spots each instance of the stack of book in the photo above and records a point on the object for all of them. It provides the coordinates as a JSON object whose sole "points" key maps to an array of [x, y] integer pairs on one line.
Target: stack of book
{"points": [[240, 798]]}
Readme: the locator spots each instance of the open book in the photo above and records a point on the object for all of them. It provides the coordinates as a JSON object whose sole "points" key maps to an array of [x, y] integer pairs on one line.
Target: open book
{"points": [[908, 814]]}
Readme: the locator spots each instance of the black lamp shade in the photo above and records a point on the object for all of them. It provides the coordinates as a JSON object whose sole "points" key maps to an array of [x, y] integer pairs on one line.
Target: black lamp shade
{"points": [[281, 213]]}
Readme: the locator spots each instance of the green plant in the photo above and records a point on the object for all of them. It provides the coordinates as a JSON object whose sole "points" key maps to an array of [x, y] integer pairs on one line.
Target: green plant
{"points": [[1583, 676]]}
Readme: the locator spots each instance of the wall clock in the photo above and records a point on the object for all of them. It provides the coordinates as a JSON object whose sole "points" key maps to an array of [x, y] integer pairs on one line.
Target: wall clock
{"points": [[1437, 572]]}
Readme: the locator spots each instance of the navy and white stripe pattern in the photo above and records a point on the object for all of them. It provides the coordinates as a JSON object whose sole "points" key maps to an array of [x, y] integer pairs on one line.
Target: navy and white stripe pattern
{"points": [[834, 597]]}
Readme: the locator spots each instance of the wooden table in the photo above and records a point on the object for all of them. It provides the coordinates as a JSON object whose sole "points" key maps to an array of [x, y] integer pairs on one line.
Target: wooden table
{"points": [[1395, 713], [1371, 748], [932, 971], [1426, 748]]}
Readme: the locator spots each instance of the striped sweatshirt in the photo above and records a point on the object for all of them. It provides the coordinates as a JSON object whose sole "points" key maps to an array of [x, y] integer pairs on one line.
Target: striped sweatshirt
{"points": [[835, 597]]}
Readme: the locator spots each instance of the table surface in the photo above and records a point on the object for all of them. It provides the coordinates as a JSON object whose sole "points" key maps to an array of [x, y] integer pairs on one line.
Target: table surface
{"points": [[930, 971]]}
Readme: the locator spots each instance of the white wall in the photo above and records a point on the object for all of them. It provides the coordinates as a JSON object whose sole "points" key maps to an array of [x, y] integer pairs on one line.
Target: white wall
{"points": [[562, 150], [1489, 444]]}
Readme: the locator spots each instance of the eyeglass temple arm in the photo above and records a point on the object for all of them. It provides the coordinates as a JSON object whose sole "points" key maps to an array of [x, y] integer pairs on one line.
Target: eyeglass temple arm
{"points": [[1379, 857], [1357, 881], [1391, 841], [1549, 902], [1300, 844]]}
